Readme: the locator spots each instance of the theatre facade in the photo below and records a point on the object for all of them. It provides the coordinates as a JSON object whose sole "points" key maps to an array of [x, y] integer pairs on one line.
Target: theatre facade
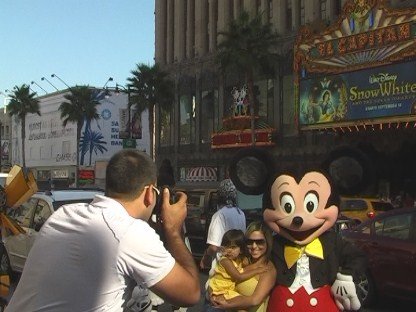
{"points": [[351, 88], [356, 82]]}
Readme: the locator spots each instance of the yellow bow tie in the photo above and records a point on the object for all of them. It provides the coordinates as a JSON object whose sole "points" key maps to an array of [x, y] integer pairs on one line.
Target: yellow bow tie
{"points": [[293, 253]]}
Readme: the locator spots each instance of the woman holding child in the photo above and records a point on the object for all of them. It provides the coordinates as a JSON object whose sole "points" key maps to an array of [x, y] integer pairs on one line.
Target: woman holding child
{"points": [[254, 291]]}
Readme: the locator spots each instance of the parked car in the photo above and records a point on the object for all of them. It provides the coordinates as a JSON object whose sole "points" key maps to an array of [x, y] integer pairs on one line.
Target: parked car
{"points": [[344, 223], [363, 208], [389, 242], [30, 216]]}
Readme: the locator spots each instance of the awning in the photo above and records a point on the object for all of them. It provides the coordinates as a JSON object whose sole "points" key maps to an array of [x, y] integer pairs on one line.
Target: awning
{"points": [[202, 174]]}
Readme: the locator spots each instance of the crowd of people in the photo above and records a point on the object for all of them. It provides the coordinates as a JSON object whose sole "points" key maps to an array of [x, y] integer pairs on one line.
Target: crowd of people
{"points": [[89, 257]]}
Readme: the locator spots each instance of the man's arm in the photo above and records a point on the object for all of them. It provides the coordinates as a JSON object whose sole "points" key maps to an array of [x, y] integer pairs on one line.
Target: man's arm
{"points": [[209, 254], [214, 237], [180, 286]]}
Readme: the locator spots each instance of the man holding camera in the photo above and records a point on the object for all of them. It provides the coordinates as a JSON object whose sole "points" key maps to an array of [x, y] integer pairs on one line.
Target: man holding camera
{"points": [[90, 257]]}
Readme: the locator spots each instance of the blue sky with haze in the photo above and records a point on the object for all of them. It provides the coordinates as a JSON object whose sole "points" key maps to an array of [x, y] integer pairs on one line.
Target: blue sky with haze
{"points": [[81, 41]]}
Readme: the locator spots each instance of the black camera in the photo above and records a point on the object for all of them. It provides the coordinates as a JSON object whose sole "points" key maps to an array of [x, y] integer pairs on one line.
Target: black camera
{"points": [[159, 199]]}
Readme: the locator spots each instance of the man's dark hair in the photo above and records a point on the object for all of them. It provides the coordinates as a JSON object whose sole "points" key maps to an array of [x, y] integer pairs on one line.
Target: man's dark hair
{"points": [[127, 173]]}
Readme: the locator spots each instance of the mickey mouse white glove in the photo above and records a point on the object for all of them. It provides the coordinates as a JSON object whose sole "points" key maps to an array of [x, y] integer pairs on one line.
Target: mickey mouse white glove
{"points": [[345, 294]]}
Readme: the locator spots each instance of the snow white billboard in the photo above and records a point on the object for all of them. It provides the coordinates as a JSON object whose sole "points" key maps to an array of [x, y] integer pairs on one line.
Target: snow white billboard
{"points": [[361, 95]]}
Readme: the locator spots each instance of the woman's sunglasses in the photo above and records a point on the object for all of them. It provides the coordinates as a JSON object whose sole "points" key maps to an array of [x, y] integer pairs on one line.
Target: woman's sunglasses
{"points": [[259, 242]]}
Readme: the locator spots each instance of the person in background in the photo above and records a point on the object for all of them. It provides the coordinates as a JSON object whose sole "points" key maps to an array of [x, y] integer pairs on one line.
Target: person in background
{"points": [[254, 292], [228, 217], [89, 257], [233, 266]]}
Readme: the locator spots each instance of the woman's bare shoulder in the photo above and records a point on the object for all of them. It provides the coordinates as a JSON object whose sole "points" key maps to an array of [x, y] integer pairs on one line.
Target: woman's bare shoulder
{"points": [[271, 267]]}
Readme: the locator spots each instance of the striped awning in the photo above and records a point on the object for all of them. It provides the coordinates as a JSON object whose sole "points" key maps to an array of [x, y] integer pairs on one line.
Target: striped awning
{"points": [[202, 174]]}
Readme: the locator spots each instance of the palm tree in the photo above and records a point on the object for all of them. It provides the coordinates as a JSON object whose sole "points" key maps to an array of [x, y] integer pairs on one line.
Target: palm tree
{"points": [[23, 102], [80, 108], [150, 86], [247, 48], [95, 141]]}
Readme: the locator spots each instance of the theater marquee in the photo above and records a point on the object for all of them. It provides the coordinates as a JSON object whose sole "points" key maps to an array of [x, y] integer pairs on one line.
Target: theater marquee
{"points": [[360, 70]]}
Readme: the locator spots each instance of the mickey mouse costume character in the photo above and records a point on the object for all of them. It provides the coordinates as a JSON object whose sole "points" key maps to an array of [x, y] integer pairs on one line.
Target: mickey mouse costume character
{"points": [[315, 267]]}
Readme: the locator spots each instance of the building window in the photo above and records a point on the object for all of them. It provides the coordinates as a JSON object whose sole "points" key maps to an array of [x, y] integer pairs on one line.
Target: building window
{"points": [[264, 91], [207, 30], [260, 90], [66, 147], [31, 153], [7, 130], [270, 99], [302, 12], [209, 114], [338, 7], [165, 118], [323, 10], [289, 127], [45, 152], [270, 9], [289, 14], [187, 119]]}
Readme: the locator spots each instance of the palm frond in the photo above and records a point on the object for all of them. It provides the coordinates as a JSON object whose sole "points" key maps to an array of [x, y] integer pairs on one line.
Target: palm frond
{"points": [[248, 45], [23, 102]]}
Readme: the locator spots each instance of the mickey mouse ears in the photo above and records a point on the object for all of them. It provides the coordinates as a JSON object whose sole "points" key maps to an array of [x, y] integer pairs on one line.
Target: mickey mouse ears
{"points": [[350, 170], [250, 170]]}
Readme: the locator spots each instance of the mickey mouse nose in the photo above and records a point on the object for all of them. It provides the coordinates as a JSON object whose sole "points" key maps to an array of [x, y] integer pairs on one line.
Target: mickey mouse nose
{"points": [[297, 221]]}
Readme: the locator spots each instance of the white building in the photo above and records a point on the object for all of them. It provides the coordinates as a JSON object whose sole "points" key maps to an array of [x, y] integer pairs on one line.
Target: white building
{"points": [[50, 147]]}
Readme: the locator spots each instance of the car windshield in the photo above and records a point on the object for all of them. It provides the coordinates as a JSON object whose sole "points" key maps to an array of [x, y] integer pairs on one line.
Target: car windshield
{"points": [[353, 205], [380, 206], [59, 203]]}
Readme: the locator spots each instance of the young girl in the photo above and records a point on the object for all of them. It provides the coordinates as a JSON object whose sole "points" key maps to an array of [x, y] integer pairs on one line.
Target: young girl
{"points": [[233, 267]]}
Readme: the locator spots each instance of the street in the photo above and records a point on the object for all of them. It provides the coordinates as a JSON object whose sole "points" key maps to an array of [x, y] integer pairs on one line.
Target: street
{"points": [[385, 305]]}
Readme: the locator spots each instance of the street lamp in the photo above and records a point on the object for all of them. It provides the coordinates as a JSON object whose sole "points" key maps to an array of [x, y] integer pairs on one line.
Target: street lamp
{"points": [[108, 80], [43, 78], [56, 76], [34, 82]]}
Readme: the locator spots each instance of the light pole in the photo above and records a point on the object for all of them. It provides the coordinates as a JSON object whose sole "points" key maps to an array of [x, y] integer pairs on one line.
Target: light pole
{"points": [[34, 82], [6, 97], [108, 80], [43, 78], [56, 76]]}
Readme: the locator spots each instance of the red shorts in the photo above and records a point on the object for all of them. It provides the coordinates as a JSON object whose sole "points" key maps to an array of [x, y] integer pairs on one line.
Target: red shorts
{"points": [[282, 300]]}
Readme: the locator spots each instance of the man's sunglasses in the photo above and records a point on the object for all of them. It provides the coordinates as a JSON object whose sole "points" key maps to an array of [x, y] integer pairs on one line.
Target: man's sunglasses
{"points": [[154, 188], [259, 242]]}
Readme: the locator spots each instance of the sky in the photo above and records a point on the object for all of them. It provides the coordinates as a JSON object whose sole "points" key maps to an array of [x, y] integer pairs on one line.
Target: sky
{"points": [[83, 42]]}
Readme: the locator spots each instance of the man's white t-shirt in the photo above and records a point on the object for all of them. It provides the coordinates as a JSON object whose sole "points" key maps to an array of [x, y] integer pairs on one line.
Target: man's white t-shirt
{"points": [[89, 258], [225, 219]]}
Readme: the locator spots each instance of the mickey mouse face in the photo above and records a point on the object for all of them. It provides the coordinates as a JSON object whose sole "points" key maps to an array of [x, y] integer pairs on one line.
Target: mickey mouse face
{"points": [[299, 211]]}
